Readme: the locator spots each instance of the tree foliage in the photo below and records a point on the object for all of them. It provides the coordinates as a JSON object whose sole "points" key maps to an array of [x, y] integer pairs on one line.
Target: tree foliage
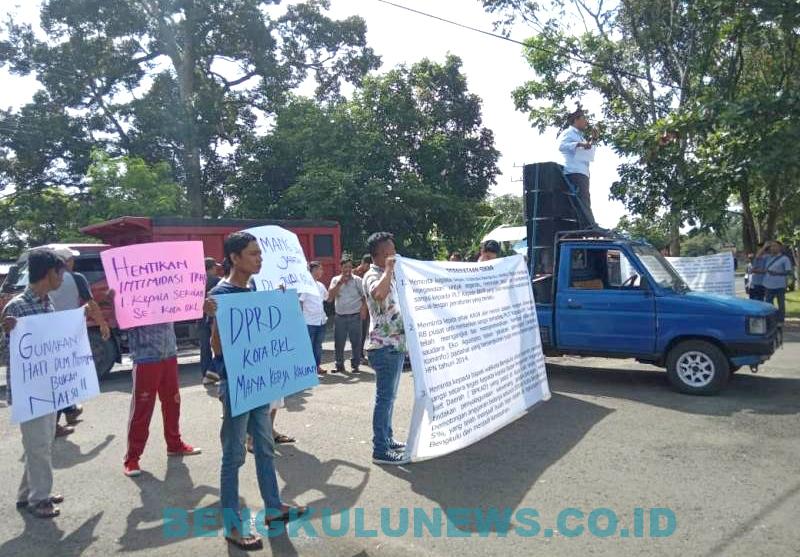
{"points": [[182, 81], [694, 93], [408, 153]]}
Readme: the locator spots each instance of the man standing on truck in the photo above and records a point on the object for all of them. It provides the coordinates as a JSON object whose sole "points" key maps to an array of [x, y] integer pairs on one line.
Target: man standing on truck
{"points": [[45, 274], [73, 293], [576, 150], [777, 268]]}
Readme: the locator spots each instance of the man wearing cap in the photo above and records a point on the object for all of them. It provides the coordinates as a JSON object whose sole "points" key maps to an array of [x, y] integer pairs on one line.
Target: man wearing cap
{"points": [[574, 146], [490, 249], [73, 293]]}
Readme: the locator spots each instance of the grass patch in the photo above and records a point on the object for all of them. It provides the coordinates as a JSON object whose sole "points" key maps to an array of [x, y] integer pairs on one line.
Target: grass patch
{"points": [[793, 304]]}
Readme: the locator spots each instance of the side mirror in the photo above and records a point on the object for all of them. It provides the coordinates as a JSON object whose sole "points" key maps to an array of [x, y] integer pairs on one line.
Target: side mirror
{"points": [[11, 279]]}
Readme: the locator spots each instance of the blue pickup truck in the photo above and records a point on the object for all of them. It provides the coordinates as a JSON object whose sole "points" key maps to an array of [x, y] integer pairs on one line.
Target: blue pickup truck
{"points": [[602, 294], [614, 297]]}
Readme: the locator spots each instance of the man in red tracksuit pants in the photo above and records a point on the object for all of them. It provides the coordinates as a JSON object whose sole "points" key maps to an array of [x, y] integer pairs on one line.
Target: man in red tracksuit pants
{"points": [[154, 351]]}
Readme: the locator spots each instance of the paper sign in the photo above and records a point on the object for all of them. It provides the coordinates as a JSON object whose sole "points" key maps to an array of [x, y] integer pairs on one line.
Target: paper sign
{"points": [[475, 349], [584, 155], [266, 347], [284, 262], [52, 366], [707, 273], [161, 282]]}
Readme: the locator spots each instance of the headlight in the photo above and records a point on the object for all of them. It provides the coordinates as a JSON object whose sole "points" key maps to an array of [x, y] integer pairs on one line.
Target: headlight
{"points": [[757, 325]]}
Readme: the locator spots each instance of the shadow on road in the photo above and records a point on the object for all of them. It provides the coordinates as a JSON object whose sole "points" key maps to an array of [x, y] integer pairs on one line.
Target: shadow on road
{"points": [[40, 534], [67, 454], [511, 459], [303, 472], [175, 491], [759, 394]]}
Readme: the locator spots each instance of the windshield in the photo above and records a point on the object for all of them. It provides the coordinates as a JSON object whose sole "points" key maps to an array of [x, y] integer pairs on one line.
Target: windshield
{"points": [[660, 269], [90, 266]]}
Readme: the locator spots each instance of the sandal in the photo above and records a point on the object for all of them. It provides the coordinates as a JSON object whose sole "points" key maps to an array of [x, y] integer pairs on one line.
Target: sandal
{"points": [[250, 542], [44, 509], [55, 499], [281, 438], [288, 513]]}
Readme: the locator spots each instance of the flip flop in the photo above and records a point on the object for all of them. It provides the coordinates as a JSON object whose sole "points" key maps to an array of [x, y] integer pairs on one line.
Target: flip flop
{"points": [[247, 543], [290, 512], [281, 438]]}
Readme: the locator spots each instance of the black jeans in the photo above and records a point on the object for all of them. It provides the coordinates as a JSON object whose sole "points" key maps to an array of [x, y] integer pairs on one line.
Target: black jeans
{"points": [[581, 183]]}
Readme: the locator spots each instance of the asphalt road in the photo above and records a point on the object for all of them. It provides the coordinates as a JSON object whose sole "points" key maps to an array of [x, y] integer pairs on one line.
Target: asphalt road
{"points": [[613, 436]]}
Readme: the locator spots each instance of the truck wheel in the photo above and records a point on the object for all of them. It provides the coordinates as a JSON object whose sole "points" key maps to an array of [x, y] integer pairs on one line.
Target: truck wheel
{"points": [[103, 351], [697, 367]]}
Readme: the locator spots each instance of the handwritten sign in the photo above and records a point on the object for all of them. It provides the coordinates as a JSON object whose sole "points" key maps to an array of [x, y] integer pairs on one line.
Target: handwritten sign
{"points": [[51, 364], [284, 262], [161, 282], [707, 273], [266, 346]]}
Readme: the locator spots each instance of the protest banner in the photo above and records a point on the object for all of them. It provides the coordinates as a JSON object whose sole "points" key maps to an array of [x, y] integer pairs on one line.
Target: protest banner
{"points": [[284, 262], [159, 282], [475, 349], [51, 364], [266, 346], [707, 273]]}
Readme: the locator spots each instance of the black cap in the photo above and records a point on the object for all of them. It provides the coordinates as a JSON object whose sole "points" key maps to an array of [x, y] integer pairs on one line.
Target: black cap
{"points": [[491, 245]]}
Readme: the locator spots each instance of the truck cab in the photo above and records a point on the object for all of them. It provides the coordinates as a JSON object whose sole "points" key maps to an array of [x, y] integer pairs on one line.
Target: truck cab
{"points": [[614, 297], [602, 294]]}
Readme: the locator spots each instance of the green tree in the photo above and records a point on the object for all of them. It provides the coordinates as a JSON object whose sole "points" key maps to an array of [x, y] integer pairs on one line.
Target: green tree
{"points": [[509, 208], [655, 232], [407, 154], [129, 186], [665, 72], [175, 80]]}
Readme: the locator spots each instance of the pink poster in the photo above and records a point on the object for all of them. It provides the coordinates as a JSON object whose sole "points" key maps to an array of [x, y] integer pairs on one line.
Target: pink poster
{"points": [[153, 283]]}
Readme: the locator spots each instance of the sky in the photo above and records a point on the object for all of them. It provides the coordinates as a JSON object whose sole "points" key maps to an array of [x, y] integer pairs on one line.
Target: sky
{"points": [[493, 69]]}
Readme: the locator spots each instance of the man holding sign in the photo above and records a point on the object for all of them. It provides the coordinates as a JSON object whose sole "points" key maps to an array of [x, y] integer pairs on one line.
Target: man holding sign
{"points": [[243, 257], [45, 273]]}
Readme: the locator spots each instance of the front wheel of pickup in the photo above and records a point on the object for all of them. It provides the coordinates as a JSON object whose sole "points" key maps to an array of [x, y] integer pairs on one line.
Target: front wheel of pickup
{"points": [[697, 367]]}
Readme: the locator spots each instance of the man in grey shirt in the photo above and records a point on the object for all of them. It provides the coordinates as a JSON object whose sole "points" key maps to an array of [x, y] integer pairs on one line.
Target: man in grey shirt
{"points": [[347, 293], [777, 267]]}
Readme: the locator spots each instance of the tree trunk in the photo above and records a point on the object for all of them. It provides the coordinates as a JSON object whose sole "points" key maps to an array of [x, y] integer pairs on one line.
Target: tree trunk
{"points": [[191, 149], [674, 231], [749, 230]]}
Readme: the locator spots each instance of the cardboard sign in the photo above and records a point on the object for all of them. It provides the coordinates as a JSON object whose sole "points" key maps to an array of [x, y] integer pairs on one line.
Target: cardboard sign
{"points": [[266, 347], [52, 366], [161, 282], [284, 262]]}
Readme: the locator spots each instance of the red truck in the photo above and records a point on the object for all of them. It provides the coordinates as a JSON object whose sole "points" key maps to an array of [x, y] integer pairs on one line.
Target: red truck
{"points": [[321, 241]]}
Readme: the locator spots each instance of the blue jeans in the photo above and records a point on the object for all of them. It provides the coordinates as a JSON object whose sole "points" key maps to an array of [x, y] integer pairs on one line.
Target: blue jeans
{"points": [[317, 335], [388, 365], [779, 293], [257, 423]]}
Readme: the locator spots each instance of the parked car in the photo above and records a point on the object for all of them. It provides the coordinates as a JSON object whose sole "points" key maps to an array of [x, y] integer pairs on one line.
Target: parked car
{"points": [[321, 240]]}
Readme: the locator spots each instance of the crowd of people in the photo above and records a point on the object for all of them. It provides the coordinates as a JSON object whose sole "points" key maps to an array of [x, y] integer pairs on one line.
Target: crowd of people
{"points": [[360, 296]]}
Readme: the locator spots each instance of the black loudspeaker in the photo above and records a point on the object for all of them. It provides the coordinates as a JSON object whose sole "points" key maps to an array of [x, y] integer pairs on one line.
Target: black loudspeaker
{"points": [[551, 207]]}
